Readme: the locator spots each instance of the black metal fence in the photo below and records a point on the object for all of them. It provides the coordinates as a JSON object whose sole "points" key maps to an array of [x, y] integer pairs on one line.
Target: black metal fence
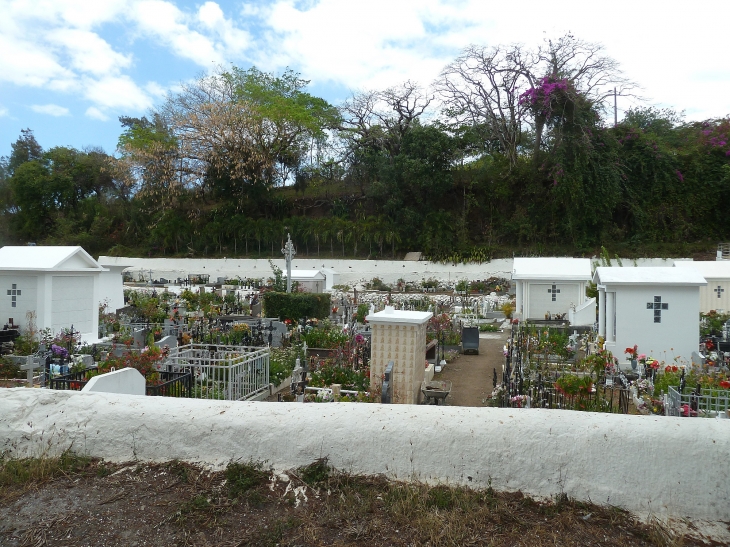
{"points": [[600, 399], [174, 384]]}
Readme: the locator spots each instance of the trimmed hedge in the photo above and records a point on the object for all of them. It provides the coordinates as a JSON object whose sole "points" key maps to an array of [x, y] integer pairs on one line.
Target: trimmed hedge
{"points": [[294, 306]]}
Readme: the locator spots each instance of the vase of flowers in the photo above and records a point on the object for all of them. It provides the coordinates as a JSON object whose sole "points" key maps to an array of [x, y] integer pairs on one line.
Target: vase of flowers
{"points": [[633, 354]]}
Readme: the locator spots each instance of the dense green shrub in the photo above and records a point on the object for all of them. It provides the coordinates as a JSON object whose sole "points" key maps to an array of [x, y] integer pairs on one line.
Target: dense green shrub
{"points": [[294, 306]]}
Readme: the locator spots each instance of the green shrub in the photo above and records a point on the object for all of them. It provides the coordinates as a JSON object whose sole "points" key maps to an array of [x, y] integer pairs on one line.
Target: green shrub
{"points": [[294, 306]]}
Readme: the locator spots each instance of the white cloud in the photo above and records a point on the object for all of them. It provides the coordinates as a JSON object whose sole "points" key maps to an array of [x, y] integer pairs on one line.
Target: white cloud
{"points": [[155, 89], [3, 111], [88, 52], [234, 40], [95, 113], [166, 22], [116, 92], [50, 109]]}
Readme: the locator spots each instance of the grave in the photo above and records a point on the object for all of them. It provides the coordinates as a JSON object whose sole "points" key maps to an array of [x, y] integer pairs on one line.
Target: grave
{"points": [[656, 309], [399, 336], [59, 284], [553, 288], [111, 283], [716, 294]]}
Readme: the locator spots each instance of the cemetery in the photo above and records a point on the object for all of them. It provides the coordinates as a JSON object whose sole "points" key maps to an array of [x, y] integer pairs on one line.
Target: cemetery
{"points": [[388, 342]]}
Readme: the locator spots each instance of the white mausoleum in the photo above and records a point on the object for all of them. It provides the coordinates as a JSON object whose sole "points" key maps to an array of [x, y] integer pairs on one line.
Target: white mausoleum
{"points": [[309, 280], [111, 283], [716, 294], [656, 309], [553, 286], [60, 284]]}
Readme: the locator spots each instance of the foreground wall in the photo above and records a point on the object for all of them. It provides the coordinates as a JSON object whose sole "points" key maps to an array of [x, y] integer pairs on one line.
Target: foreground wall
{"points": [[676, 467]]}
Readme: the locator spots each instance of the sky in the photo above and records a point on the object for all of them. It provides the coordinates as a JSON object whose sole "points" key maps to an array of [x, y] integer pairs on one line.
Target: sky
{"points": [[70, 68]]}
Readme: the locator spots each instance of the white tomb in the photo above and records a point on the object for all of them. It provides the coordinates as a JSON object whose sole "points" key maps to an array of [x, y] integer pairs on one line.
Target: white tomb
{"points": [[60, 284], [716, 294], [309, 280], [553, 286], [111, 283], [657, 309], [399, 336]]}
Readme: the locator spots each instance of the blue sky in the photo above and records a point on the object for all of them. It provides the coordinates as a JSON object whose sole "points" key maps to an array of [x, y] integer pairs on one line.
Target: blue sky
{"points": [[69, 68]]}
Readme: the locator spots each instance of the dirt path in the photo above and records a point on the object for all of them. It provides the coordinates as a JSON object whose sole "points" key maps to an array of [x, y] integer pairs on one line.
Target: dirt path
{"points": [[471, 375]]}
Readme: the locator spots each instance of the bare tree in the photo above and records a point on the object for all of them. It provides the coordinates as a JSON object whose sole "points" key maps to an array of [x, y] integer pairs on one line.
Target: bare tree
{"points": [[380, 119], [484, 87]]}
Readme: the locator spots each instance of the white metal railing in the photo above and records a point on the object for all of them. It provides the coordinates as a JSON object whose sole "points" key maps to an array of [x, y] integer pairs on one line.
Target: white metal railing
{"points": [[708, 403], [233, 373]]}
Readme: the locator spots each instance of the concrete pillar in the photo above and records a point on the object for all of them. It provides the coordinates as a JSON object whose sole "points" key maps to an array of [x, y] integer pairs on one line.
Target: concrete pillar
{"points": [[399, 336], [602, 312], [610, 313], [518, 298]]}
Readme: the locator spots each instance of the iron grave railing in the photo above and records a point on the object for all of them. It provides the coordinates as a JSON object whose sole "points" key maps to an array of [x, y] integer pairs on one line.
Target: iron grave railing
{"points": [[233, 373]]}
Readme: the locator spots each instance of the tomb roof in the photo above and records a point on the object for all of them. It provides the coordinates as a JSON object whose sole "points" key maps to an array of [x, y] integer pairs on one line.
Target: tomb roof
{"points": [[47, 258], [306, 274], [391, 315], [715, 269], [648, 276], [552, 269]]}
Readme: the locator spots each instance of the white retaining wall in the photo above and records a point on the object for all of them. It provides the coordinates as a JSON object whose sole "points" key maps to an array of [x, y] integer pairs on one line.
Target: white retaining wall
{"points": [[676, 467], [350, 271]]}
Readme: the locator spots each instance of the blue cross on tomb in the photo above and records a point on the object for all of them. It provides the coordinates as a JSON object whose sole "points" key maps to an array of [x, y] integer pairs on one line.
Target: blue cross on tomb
{"points": [[657, 306], [13, 294]]}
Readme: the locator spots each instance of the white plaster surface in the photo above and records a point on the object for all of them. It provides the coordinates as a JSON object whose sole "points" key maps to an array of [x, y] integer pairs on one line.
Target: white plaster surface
{"points": [[126, 381], [675, 467]]}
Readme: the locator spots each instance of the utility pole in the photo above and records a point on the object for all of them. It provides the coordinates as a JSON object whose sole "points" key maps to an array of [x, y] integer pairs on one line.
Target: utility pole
{"points": [[615, 109]]}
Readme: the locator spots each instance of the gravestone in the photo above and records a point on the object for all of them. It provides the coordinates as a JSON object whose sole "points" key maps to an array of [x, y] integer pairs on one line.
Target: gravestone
{"points": [[127, 381]]}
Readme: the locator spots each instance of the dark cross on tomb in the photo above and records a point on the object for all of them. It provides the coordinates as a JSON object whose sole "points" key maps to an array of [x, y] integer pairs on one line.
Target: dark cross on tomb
{"points": [[554, 291], [657, 306], [13, 294], [719, 290]]}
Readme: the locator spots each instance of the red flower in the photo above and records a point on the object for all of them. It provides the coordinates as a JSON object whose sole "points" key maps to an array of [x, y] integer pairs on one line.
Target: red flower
{"points": [[725, 384]]}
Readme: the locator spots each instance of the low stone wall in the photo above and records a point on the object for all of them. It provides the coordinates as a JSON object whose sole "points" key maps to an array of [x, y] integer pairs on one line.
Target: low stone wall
{"points": [[675, 467]]}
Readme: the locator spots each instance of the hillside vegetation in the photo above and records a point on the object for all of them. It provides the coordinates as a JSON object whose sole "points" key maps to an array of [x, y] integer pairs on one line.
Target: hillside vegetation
{"points": [[510, 150]]}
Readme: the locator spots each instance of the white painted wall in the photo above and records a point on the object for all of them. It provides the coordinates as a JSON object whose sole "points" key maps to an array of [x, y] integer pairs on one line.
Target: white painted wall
{"points": [[25, 302], [111, 288], [676, 336], [583, 315], [639, 463], [708, 295], [350, 271]]}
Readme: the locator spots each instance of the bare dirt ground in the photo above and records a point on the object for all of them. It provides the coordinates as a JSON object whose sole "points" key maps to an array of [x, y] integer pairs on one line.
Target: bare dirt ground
{"points": [[472, 375], [92, 503]]}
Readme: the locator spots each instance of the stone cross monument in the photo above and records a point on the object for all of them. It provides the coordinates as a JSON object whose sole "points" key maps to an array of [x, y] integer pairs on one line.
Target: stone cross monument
{"points": [[289, 253]]}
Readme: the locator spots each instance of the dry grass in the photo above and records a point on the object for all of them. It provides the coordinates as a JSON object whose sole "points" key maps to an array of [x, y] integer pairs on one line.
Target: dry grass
{"points": [[181, 504]]}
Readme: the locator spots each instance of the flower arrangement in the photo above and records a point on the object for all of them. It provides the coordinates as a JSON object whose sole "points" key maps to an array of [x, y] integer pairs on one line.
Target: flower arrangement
{"points": [[59, 351], [633, 353]]}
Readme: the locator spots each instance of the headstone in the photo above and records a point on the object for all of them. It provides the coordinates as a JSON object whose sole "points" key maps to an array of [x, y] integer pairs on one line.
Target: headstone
{"points": [[127, 381]]}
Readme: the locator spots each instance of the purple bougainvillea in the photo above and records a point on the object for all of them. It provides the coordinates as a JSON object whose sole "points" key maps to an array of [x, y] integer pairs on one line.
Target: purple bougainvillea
{"points": [[542, 96]]}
